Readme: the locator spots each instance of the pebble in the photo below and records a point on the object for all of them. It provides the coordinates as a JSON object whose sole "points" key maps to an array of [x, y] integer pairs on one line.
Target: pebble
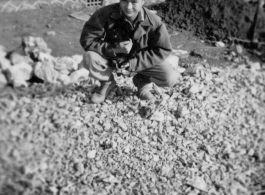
{"points": [[219, 44], [156, 158], [92, 154], [51, 33]]}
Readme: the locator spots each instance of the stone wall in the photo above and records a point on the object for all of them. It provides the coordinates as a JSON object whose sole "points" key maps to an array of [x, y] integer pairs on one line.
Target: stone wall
{"points": [[17, 5]]}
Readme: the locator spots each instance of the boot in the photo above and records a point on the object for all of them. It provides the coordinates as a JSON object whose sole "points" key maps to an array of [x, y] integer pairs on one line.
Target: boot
{"points": [[144, 86], [101, 93]]}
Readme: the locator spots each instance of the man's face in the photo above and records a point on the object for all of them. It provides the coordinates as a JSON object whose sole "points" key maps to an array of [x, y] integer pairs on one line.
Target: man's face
{"points": [[131, 8]]}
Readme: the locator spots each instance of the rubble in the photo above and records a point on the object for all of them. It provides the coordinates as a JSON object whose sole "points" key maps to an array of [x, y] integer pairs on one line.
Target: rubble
{"points": [[33, 58], [204, 135]]}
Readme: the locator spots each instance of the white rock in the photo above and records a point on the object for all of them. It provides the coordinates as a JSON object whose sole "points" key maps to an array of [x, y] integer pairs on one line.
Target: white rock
{"points": [[158, 116], [239, 49], [19, 83], [219, 44], [180, 53], [3, 81], [51, 33], [16, 58], [65, 65], [195, 89], [198, 183], [127, 149], [91, 154], [45, 71], [4, 63], [35, 45], [255, 65], [42, 57], [165, 170], [155, 158], [77, 58], [64, 79], [183, 111], [79, 75], [19, 74]]}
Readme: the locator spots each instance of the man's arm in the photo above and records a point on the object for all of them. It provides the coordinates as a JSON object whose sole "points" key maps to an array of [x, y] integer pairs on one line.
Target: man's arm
{"points": [[159, 48], [93, 34]]}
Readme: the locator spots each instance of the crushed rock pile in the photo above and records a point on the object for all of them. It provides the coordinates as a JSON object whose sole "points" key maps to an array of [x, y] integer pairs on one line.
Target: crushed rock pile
{"points": [[204, 136], [33, 60]]}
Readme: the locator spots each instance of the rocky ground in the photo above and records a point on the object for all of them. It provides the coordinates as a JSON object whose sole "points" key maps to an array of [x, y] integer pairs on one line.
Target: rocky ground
{"points": [[203, 136]]}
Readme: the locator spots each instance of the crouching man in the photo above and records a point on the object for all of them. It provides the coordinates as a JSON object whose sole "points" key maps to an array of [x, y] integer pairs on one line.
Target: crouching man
{"points": [[142, 47]]}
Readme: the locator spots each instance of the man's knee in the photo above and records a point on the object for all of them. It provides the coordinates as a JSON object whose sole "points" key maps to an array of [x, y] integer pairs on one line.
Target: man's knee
{"points": [[173, 79], [167, 76], [89, 57], [168, 81]]}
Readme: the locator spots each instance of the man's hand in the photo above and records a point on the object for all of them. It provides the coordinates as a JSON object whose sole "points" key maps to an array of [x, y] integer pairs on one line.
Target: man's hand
{"points": [[124, 70], [124, 47]]}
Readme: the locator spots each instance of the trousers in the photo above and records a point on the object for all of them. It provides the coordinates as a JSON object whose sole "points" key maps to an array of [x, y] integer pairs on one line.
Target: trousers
{"points": [[163, 75]]}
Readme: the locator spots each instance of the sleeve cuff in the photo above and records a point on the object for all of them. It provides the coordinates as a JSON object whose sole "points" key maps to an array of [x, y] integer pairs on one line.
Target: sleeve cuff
{"points": [[133, 63]]}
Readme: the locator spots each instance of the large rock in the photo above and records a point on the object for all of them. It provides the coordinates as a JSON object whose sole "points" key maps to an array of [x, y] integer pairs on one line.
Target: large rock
{"points": [[63, 79], [4, 62], [16, 58], [19, 74], [34, 45], [79, 75], [45, 71], [3, 81], [78, 58], [65, 65]]}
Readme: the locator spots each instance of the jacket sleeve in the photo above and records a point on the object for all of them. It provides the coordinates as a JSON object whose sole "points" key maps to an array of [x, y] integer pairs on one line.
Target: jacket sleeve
{"points": [[159, 48], [93, 34]]}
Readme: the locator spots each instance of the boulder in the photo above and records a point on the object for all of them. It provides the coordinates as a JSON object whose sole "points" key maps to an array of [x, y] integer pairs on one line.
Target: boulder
{"points": [[78, 58], [4, 62], [45, 57], [16, 58], [45, 71], [18, 74], [34, 45], [64, 79], [3, 81], [65, 65]]}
